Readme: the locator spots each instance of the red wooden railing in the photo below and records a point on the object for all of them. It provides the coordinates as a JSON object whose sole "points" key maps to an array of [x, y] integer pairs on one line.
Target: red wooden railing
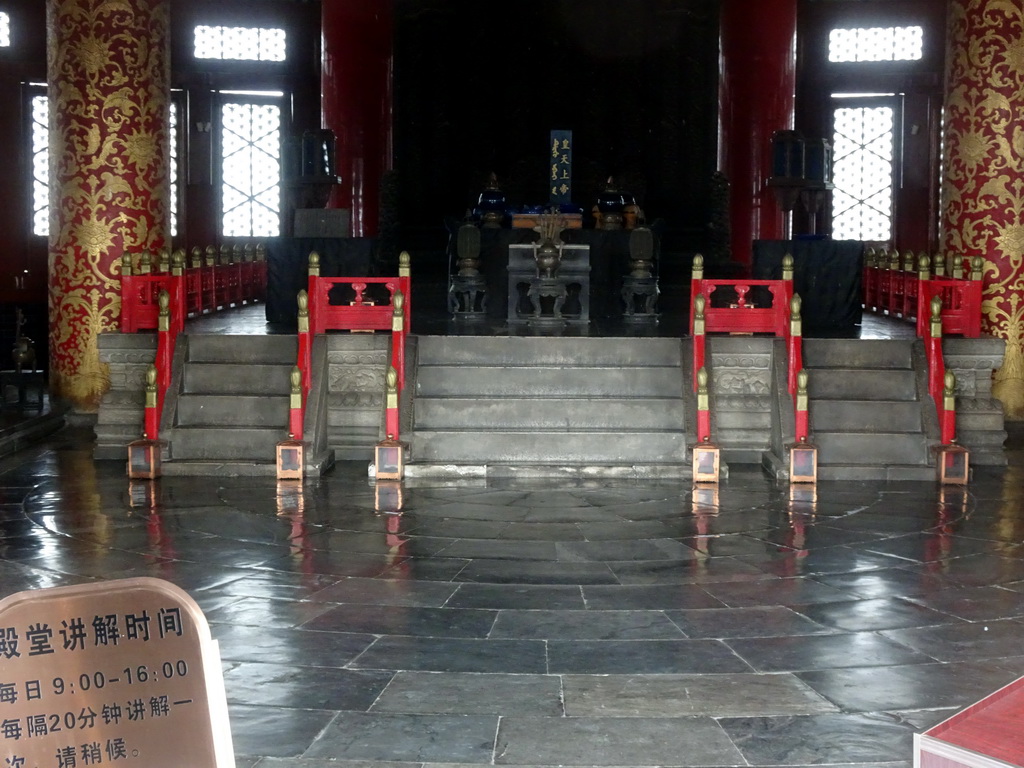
{"points": [[941, 383], [781, 319], [905, 288], [158, 377], [389, 310], [207, 284]]}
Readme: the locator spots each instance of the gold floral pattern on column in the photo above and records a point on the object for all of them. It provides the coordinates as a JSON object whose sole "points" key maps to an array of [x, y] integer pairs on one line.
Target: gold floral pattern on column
{"points": [[983, 186], [108, 73]]}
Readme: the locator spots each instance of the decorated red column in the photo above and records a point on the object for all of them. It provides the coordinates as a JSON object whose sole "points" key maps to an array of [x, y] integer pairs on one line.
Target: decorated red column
{"points": [[108, 76], [357, 105], [982, 188], [757, 96]]}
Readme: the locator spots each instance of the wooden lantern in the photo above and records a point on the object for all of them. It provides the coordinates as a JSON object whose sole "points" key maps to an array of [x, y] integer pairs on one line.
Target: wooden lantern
{"points": [[289, 460], [389, 459], [803, 463], [953, 464], [144, 459], [706, 463]]}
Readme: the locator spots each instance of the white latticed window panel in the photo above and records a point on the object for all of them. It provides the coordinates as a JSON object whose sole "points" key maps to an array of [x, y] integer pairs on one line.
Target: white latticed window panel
{"points": [[40, 166], [172, 138], [5, 30], [862, 173], [876, 44], [251, 169], [240, 43]]}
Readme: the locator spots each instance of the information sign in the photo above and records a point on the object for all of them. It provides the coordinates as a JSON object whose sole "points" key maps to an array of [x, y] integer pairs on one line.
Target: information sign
{"points": [[118, 673]]}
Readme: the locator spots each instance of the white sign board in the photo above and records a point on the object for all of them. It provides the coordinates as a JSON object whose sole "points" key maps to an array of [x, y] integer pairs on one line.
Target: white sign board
{"points": [[118, 673]]}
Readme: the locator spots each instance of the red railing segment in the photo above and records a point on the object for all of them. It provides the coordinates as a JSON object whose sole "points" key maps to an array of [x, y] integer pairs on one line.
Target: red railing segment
{"points": [[894, 288], [941, 383]]}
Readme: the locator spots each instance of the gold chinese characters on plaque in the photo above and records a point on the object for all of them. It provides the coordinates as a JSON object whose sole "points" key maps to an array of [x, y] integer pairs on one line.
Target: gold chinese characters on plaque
{"points": [[120, 672]]}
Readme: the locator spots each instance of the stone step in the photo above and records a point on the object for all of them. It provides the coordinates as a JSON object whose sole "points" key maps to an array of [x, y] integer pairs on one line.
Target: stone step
{"points": [[222, 443], [219, 468], [236, 379], [858, 353], [353, 443], [871, 448], [540, 381], [223, 348], [549, 413], [548, 352], [232, 410], [553, 447], [863, 415], [872, 384]]}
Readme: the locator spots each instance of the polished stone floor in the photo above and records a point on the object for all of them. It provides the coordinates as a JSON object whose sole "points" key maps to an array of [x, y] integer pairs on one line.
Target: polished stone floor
{"points": [[556, 623]]}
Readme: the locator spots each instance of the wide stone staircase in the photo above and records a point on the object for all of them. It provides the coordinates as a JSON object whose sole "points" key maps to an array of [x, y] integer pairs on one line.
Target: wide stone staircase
{"points": [[870, 413], [227, 407], [575, 406]]}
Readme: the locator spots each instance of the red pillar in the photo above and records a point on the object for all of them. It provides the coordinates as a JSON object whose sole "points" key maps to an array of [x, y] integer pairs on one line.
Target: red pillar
{"points": [[109, 86], [982, 188], [757, 96], [357, 105]]}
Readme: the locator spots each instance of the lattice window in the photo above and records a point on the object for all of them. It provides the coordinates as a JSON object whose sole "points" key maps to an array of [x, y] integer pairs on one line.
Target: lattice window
{"points": [[876, 44], [251, 169], [40, 165], [862, 203], [5, 30], [240, 43]]}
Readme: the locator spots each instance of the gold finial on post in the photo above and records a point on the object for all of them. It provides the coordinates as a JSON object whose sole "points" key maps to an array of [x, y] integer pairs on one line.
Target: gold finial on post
{"points": [[164, 261], [225, 254], [404, 264], [949, 392], [869, 257], [796, 322], [391, 382], [178, 262], [703, 397], [787, 267], [314, 264], [126, 264], [211, 255], [295, 392], [164, 316], [145, 263], [303, 302], [935, 324], [924, 267], [802, 398], [699, 323], [909, 261], [939, 264], [261, 252], [250, 252], [958, 268], [697, 271], [197, 257], [398, 311], [894, 260], [977, 268], [151, 399]]}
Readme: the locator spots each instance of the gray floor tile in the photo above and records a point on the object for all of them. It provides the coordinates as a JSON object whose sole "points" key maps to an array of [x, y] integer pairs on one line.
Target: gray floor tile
{"points": [[647, 597], [275, 731], [407, 738], [625, 657], [612, 741], [465, 693], [720, 695], [454, 655], [385, 592], [586, 625], [404, 620], [855, 649], [874, 614], [284, 685], [819, 739], [516, 596], [912, 687], [772, 621]]}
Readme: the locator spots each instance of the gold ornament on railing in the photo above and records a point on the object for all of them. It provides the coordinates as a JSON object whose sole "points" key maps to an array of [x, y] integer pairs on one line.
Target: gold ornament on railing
{"points": [[787, 267], [802, 398], [164, 316], [145, 263], [977, 268], [404, 264], [697, 270], [699, 323], [909, 261], [703, 397], [391, 384], [178, 262], [949, 392], [398, 311], [197, 257], [261, 252], [126, 264], [151, 399], [894, 260], [314, 264], [935, 324], [958, 267], [295, 393], [303, 302], [924, 267], [796, 322]]}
